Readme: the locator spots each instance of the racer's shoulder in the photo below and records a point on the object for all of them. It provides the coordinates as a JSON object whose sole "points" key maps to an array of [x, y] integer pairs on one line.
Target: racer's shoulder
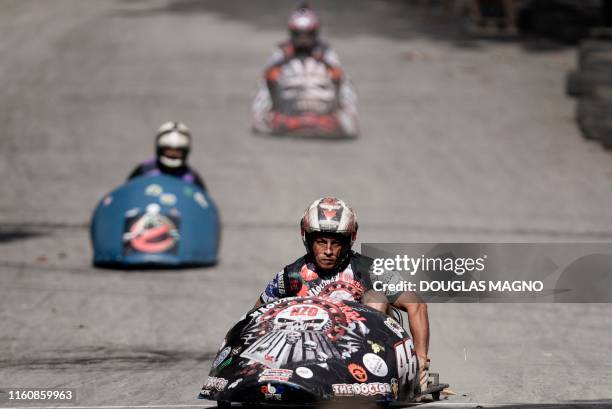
{"points": [[296, 265], [360, 258], [143, 167], [324, 45], [196, 178], [328, 54], [194, 172], [279, 54]]}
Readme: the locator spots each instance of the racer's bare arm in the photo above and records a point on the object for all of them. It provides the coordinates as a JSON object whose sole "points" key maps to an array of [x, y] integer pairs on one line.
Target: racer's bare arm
{"points": [[271, 75], [418, 320], [376, 300]]}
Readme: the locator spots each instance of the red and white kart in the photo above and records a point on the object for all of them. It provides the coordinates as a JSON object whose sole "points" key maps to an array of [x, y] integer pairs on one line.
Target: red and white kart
{"points": [[307, 97]]}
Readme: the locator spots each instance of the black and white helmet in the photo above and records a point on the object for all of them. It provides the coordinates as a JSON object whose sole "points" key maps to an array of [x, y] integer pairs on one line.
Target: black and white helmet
{"points": [[173, 135], [303, 25], [329, 215]]}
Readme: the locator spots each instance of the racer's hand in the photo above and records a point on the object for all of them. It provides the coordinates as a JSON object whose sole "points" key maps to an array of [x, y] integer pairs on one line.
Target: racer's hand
{"points": [[423, 371]]}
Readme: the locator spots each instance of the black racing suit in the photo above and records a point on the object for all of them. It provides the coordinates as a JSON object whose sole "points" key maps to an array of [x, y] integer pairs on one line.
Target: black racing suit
{"points": [[152, 167], [350, 281]]}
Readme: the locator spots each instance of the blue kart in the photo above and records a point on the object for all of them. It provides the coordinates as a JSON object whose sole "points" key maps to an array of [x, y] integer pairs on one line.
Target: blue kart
{"points": [[155, 221]]}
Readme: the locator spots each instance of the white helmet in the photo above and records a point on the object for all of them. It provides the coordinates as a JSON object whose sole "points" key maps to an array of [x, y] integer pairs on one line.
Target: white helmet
{"points": [[303, 27], [329, 215], [173, 135]]}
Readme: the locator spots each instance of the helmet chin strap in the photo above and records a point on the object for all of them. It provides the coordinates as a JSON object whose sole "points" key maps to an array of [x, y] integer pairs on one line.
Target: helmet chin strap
{"points": [[343, 257], [171, 162], [303, 50]]}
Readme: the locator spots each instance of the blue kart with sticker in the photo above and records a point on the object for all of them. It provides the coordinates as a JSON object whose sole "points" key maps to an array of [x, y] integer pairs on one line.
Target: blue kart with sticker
{"points": [[312, 350], [155, 221]]}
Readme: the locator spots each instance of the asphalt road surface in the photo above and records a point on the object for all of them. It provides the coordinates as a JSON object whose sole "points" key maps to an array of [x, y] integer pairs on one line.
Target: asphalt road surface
{"points": [[462, 140]]}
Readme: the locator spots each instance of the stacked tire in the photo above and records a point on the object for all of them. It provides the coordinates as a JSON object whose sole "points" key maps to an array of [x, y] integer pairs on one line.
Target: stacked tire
{"points": [[591, 84], [567, 21]]}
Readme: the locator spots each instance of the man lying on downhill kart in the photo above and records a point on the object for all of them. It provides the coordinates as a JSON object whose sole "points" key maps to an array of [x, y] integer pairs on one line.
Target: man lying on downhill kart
{"points": [[329, 229], [172, 146], [303, 42]]}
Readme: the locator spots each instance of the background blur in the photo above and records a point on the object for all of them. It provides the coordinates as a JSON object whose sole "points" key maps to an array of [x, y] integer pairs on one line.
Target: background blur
{"points": [[467, 135]]}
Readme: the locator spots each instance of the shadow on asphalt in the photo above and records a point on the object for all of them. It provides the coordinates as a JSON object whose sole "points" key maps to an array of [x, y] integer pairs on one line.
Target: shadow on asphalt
{"points": [[391, 19], [573, 404], [289, 137], [12, 234], [107, 358], [151, 267], [591, 404]]}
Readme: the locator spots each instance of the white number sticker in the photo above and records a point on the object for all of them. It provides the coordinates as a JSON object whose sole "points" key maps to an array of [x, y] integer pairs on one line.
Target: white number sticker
{"points": [[406, 359]]}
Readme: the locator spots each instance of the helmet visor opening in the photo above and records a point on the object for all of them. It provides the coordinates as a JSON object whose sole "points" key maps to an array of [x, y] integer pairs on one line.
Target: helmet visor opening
{"points": [[303, 39], [174, 153], [343, 238]]}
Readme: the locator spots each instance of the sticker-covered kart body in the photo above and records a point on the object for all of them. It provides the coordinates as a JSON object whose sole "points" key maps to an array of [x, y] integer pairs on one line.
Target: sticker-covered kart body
{"points": [[155, 221], [311, 350], [305, 97]]}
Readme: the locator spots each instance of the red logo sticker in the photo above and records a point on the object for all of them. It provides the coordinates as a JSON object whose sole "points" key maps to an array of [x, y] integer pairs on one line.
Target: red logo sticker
{"points": [[358, 372]]}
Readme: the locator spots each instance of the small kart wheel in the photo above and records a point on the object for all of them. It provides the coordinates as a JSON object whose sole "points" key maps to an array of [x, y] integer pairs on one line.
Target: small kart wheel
{"points": [[435, 396], [224, 404]]}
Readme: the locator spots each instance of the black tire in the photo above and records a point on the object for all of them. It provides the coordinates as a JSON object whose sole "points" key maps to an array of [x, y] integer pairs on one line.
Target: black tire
{"points": [[596, 60], [590, 84], [435, 396], [524, 20], [595, 54], [595, 44], [573, 85], [224, 404], [606, 7], [591, 115], [605, 132], [601, 32], [562, 24], [595, 121]]}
